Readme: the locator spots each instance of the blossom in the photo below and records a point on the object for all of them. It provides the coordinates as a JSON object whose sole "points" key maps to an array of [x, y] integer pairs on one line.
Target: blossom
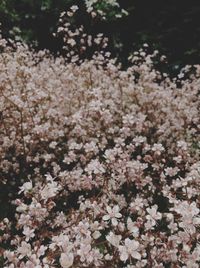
{"points": [[66, 260], [113, 239], [171, 171], [24, 250], [29, 233], [130, 248], [132, 227], [41, 250], [74, 8], [152, 216], [158, 148], [26, 187], [84, 251], [50, 189], [113, 215]]}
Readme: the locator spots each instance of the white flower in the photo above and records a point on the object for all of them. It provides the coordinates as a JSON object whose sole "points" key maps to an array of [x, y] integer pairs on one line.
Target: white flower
{"points": [[132, 227], [196, 221], [158, 148], [84, 251], [169, 171], [26, 187], [113, 215], [152, 217], [29, 233], [74, 8], [108, 257], [130, 248], [24, 250], [113, 239], [50, 189], [71, 42], [182, 145], [22, 208], [96, 235], [52, 145], [62, 13], [66, 260], [41, 251]]}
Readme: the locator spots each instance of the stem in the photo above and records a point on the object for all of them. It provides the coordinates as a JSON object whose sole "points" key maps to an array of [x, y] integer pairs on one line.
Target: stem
{"points": [[22, 133]]}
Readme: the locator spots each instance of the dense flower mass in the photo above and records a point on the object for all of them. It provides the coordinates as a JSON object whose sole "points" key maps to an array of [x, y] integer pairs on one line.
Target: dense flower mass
{"points": [[103, 163]]}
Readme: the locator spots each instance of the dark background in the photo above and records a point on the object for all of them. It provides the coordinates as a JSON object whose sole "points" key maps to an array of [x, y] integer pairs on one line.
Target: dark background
{"points": [[171, 26]]}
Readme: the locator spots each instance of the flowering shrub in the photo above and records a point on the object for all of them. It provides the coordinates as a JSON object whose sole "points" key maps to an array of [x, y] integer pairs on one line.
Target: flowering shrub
{"points": [[105, 162]]}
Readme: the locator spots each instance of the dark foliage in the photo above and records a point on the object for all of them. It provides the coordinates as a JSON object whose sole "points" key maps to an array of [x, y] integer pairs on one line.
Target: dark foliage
{"points": [[171, 26]]}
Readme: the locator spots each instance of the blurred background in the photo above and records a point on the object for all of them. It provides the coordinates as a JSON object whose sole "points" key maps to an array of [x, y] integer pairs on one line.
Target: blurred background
{"points": [[170, 26]]}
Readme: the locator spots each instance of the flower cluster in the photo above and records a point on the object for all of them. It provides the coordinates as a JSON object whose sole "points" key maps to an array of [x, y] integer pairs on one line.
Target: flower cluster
{"points": [[101, 164], [105, 9], [78, 43]]}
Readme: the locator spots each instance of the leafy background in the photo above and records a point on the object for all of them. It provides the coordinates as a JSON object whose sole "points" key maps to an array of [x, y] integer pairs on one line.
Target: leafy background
{"points": [[171, 26]]}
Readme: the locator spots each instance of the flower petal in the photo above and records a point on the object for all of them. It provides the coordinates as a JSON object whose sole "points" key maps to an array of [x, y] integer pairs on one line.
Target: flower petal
{"points": [[114, 221], [118, 215], [136, 255], [106, 217]]}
